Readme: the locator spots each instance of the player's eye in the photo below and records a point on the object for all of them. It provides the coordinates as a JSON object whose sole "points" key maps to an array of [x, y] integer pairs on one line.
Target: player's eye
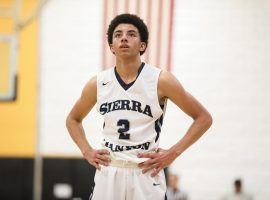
{"points": [[132, 34], [117, 35]]}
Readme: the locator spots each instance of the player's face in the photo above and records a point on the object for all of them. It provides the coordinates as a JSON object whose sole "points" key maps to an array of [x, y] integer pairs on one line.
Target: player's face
{"points": [[126, 41]]}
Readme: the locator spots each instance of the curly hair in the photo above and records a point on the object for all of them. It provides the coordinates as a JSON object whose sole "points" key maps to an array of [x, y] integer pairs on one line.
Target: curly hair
{"points": [[129, 19]]}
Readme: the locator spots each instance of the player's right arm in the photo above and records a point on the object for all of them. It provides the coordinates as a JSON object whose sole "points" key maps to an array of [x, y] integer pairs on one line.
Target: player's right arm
{"points": [[74, 120]]}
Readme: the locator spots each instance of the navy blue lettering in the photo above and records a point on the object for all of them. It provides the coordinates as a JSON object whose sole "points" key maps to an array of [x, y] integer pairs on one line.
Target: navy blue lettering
{"points": [[116, 105], [136, 106], [147, 111], [125, 105], [118, 148], [103, 108]]}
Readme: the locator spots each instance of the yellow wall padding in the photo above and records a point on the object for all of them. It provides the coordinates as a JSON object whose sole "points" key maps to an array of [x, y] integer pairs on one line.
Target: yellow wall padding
{"points": [[18, 119]]}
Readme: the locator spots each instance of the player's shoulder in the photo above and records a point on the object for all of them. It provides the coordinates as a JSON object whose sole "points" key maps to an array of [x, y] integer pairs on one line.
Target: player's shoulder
{"points": [[106, 71], [168, 83], [151, 68], [91, 83], [150, 73], [166, 76], [105, 74]]}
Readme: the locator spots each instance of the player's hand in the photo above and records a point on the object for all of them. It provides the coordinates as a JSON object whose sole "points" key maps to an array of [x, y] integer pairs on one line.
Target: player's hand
{"points": [[158, 160], [97, 157]]}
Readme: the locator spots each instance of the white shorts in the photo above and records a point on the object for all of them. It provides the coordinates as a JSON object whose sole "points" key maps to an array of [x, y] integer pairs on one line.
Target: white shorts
{"points": [[128, 183]]}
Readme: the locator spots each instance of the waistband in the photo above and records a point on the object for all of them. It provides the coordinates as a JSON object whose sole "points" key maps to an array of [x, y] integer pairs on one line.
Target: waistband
{"points": [[120, 163], [123, 164]]}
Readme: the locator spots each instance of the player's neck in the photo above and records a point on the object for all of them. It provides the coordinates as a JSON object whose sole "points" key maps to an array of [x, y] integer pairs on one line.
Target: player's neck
{"points": [[128, 68]]}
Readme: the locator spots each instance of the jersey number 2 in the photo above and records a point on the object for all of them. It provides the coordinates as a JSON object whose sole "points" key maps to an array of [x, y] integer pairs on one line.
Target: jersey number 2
{"points": [[124, 127]]}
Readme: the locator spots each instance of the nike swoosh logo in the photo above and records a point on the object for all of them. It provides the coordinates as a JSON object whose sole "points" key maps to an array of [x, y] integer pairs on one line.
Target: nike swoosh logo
{"points": [[105, 83], [156, 184]]}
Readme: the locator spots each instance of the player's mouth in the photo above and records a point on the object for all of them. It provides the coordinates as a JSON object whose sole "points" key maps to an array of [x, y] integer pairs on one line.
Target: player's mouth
{"points": [[124, 46]]}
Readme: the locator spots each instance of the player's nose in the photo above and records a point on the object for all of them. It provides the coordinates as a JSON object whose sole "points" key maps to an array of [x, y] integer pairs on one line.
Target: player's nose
{"points": [[124, 38]]}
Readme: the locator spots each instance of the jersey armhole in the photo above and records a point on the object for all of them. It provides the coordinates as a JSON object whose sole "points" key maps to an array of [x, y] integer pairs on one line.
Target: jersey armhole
{"points": [[161, 106], [98, 92]]}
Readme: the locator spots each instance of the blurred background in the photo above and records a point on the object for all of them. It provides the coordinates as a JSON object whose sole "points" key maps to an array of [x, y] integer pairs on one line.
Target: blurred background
{"points": [[219, 50]]}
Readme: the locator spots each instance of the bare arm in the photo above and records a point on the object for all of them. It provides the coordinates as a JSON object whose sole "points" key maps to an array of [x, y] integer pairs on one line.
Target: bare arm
{"points": [[74, 125], [186, 102], [170, 87]]}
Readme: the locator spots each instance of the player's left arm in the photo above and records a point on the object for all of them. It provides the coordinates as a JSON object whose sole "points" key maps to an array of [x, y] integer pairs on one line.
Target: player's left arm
{"points": [[170, 87]]}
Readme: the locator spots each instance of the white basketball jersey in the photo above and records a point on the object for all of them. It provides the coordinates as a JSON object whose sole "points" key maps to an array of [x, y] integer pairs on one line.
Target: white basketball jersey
{"points": [[132, 114]]}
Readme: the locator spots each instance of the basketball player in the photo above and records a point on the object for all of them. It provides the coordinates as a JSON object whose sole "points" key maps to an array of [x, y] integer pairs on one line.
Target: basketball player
{"points": [[132, 98]]}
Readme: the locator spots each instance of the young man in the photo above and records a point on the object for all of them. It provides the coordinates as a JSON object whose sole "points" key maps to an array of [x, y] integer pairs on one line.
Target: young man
{"points": [[173, 190], [238, 193], [132, 97]]}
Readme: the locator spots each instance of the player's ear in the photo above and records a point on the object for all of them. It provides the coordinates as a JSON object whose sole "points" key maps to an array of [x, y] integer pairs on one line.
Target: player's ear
{"points": [[143, 46], [111, 48]]}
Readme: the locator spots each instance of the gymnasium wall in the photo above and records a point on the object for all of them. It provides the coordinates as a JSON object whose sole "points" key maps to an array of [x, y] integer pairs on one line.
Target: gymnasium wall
{"points": [[18, 117], [219, 53]]}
